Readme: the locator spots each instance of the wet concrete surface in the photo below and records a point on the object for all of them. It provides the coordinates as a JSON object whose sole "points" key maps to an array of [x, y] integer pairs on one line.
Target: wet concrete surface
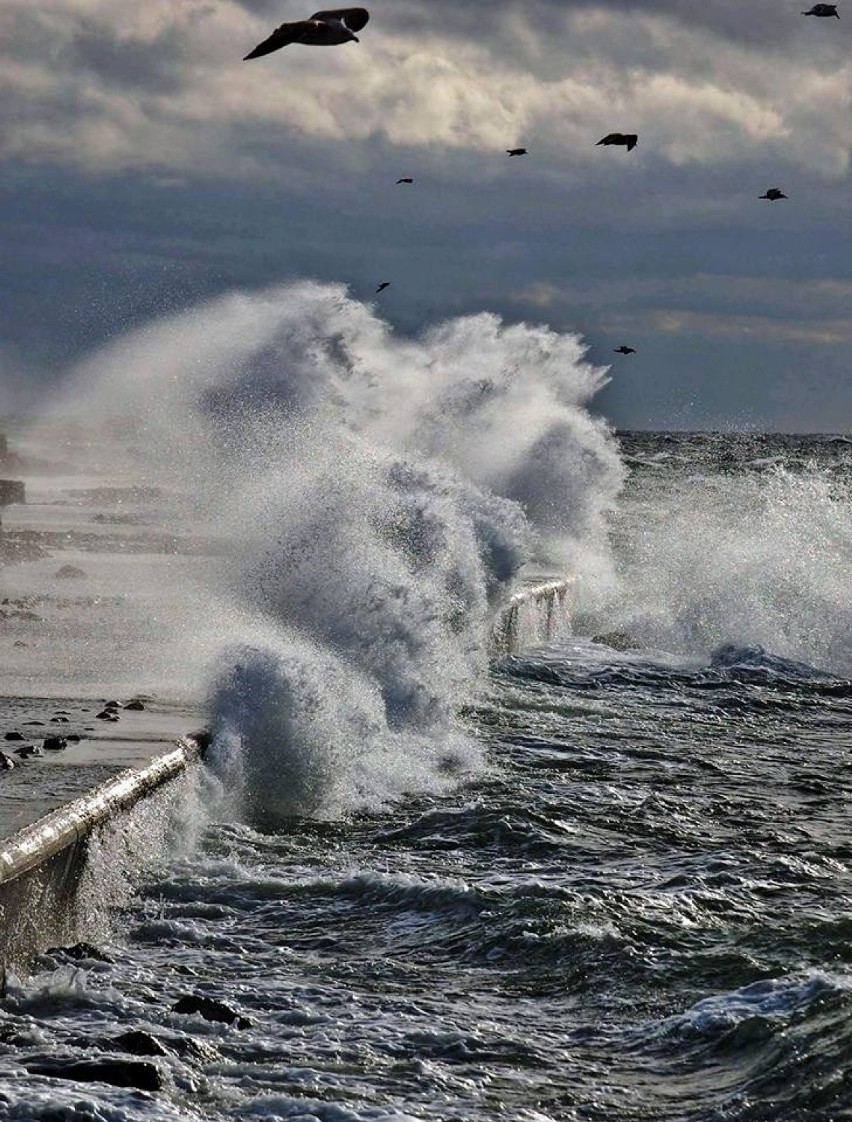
{"points": [[38, 784]]}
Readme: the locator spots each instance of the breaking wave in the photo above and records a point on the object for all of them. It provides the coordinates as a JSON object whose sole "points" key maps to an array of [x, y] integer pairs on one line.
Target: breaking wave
{"points": [[370, 499], [758, 558]]}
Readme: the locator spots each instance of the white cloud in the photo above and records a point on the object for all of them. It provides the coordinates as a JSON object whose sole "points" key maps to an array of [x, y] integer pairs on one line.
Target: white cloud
{"points": [[111, 84]]}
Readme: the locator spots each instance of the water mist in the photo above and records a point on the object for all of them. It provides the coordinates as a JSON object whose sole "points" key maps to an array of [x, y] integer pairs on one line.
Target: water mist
{"points": [[366, 501]]}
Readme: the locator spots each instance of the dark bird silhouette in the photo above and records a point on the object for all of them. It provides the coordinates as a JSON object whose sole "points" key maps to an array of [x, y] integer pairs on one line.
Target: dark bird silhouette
{"points": [[622, 350], [774, 194], [382, 287], [628, 139], [822, 10], [405, 179], [323, 29], [516, 151]]}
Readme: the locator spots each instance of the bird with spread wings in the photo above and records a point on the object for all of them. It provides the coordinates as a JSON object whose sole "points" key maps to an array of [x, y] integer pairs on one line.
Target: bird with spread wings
{"points": [[322, 29]]}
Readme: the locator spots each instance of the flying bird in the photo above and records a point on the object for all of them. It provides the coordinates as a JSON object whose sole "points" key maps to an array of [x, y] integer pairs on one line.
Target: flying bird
{"points": [[323, 29], [823, 10], [516, 151], [405, 179], [622, 350], [774, 194], [628, 139], [382, 287]]}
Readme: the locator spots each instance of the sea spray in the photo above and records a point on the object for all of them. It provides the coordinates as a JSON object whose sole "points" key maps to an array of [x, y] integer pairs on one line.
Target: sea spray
{"points": [[757, 557], [369, 500]]}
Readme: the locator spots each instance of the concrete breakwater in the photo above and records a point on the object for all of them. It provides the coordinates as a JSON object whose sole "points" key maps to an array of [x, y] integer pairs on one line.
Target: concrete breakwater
{"points": [[52, 891], [535, 615], [43, 867]]}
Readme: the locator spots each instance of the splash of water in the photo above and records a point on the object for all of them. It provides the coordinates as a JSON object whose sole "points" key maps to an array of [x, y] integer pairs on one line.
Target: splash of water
{"points": [[744, 559], [371, 499]]}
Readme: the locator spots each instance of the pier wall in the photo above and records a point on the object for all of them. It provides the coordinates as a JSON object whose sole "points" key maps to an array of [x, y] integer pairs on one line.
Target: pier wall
{"points": [[43, 867], [48, 890], [533, 616]]}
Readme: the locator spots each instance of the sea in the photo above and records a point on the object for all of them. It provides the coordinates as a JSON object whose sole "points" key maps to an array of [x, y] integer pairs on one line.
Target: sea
{"points": [[600, 879]]}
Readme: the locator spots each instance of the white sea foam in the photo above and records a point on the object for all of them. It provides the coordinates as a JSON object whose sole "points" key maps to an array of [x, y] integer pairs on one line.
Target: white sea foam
{"points": [[370, 498], [744, 559]]}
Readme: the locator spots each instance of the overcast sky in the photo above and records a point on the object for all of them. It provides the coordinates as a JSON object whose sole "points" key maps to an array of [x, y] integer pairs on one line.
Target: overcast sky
{"points": [[146, 167]]}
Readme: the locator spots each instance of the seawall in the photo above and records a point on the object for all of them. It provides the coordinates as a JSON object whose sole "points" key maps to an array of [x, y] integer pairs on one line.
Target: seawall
{"points": [[44, 898], [53, 894], [534, 615]]}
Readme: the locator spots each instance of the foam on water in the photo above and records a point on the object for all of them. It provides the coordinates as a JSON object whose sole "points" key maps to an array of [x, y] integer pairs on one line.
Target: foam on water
{"points": [[746, 559], [370, 500]]}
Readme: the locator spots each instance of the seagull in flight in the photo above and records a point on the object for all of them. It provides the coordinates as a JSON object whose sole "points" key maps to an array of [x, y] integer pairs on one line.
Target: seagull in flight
{"points": [[405, 179], [823, 10], [773, 194], [382, 287], [516, 151], [622, 350], [323, 29], [628, 139]]}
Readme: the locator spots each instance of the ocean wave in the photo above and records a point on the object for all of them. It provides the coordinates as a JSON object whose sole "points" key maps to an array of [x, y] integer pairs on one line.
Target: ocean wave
{"points": [[371, 499]]}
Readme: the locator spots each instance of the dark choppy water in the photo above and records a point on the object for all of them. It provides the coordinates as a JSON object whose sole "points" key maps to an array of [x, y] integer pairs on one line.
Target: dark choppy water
{"points": [[639, 911]]}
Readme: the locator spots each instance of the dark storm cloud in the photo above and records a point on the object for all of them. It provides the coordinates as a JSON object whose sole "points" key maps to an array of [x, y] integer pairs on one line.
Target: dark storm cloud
{"points": [[84, 46], [762, 22], [154, 64], [152, 169]]}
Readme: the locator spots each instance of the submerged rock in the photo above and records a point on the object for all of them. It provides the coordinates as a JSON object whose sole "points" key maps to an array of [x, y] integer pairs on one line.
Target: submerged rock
{"points": [[14, 736], [81, 951], [138, 1043], [54, 743], [135, 704], [210, 1009], [188, 1048], [141, 1074]]}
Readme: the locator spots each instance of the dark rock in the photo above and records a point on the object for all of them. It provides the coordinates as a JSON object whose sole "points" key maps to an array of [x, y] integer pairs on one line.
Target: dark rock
{"points": [[136, 705], [33, 722], [6, 762], [17, 1035], [106, 715], [75, 736], [27, 750], [119, 1073], [210, 1009], [138, 1043], [14, 736], [188, 1048], [111, 705], [203, 738], [11, 491], [80, 951], [54, 743]]}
